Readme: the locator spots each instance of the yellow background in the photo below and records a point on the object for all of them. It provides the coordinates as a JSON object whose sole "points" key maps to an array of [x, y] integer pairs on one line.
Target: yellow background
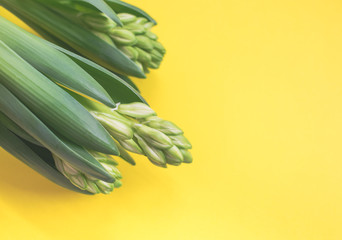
{"points": [[257, 87]]}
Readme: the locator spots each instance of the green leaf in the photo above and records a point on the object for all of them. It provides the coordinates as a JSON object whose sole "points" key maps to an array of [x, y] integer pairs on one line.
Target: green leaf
{"points": [[123, 7], [76, 36], [67, 151], [39, 160], [51, 104], [12, 126], [51, 62], [118, 89]]}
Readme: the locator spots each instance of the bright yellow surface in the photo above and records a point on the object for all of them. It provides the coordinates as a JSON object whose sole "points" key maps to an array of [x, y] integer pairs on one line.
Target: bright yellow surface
{"points": [[257, 86]]}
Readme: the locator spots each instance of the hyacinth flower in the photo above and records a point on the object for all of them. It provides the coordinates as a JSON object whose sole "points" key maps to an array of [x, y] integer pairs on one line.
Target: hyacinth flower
{"points": [[112, 33], [66, 117]]}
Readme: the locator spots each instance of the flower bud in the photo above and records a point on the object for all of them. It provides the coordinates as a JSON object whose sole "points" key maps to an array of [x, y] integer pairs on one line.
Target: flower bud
{"points": [[136, 110], [91, 187], [154, 65], [117, 184], [154, 155], [173, 156], [141, 20], [164, 126], [151, 35], [79, 181], [98, 21], [105, 187], [153, 137], [143, 56], [116, 128], [144, 43], [131, 146], [135, 28], [148, 25], [158, 46], [130, 52], [187, 157], [104, 37], [123, 37], [126, 18], [156, 56], [181, 141]]}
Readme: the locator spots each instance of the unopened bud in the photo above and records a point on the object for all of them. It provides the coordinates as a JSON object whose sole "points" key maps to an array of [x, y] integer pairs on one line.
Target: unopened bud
{"points": [[143, 56], [144, 43], [141, 20], [105, 187], [131, 146], [187, 157], [148, 25], [164, 126], [126, 18], [151, 35], [98, 21], [130, 52], [115, 127], [123, 37], [173, 156], [154, 155], [153, 137], [104, 37], [136, 110], [181, 141], [154, 65], [159, 47], [156, 56], [135, 28]]}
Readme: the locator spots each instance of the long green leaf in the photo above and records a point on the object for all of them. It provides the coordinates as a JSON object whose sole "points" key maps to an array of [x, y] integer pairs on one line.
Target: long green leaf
{"points": [[12, 126], [98, 4], [19, 149], [51, 62], [118, 89], [51, 104], [76, 36], [67, 151], [120, 6]]}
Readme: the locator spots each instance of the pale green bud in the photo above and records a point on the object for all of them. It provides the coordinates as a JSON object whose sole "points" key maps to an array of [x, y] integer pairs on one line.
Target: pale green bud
{"points": [[136, 110], [141, 20], [105, 187], [78, 181], [144, 43], [158, 46], [143, 56], [130, 52], [126, 18], [154, 65], [173, 156], [151, 35], [153, 137], [131, 146], [116, 128], [98, 21], [156, 56], [164, 126], [123, 37], [187, 157], [117, 184], [140, 66], [105, 37], [154, 155], [148, 25], [181, 141], [91, 187], [135, 28]]}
